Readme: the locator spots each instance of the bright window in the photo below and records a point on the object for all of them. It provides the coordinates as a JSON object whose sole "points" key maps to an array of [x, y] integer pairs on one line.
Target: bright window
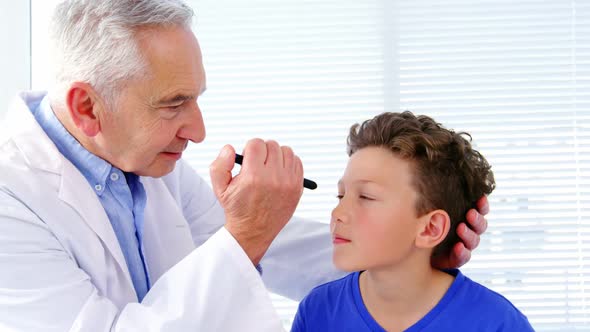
{"points": [[15, 64]]}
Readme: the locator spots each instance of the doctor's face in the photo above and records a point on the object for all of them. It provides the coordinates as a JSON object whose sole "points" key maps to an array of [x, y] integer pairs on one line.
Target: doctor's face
{"points": [[155, 118]]}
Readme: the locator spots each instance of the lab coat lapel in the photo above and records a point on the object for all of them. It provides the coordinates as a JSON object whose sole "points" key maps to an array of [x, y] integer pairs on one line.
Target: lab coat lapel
{"points": [[167, 236], [76, 192]]}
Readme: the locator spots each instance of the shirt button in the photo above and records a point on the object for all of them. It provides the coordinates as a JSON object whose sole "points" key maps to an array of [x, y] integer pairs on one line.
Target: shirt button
{"points": [[98, 187], [114, 176]]}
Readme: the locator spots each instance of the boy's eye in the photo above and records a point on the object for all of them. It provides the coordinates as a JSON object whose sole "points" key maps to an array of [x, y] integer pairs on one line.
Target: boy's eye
{"points": [[366, 198], [339, 196]]}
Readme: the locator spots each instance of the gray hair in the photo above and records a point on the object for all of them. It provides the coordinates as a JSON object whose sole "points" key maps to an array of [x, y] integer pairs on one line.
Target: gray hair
{"points": [[95, 40]]}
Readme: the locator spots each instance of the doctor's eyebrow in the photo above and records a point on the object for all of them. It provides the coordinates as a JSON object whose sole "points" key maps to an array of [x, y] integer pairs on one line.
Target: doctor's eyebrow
{"points": [[177, 98], [173, 100]]}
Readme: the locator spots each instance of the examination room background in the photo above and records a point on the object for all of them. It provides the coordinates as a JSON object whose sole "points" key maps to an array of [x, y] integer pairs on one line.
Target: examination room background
{"points": [[514, 73]]}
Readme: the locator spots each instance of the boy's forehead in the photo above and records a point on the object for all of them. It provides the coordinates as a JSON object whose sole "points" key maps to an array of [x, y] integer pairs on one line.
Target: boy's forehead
{"points": [[375, 165], [375, 158]]}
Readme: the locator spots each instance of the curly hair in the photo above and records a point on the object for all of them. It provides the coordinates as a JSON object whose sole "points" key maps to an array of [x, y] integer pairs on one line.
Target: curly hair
{"points": [[448, 173]]}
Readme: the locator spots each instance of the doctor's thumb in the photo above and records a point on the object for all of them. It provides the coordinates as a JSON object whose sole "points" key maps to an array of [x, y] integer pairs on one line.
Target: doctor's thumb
{"points": [[220, 170]]}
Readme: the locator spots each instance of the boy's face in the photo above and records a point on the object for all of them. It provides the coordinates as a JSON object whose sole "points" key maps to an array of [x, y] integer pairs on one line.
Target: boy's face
{"points": [[374, 224]]}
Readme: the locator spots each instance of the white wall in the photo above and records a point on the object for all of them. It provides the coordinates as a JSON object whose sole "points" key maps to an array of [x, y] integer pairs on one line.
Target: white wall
{"points": [[15, 59]]}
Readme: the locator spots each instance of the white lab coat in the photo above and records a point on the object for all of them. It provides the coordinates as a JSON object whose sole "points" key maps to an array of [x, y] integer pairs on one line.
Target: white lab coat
{"points": [[62, 269]]}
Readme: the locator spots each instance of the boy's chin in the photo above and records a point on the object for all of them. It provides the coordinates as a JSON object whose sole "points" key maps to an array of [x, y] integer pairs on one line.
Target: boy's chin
{"points": [[346, 266]]}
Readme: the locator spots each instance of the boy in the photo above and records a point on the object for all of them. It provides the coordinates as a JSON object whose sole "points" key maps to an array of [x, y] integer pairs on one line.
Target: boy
{"points": [[408, 183]]}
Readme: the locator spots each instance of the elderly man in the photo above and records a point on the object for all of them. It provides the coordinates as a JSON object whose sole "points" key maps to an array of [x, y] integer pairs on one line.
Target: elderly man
{"points": [[103, 227]]}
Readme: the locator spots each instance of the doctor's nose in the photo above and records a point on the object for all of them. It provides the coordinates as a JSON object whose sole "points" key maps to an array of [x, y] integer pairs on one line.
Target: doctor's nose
{"points": [[194, 127]]}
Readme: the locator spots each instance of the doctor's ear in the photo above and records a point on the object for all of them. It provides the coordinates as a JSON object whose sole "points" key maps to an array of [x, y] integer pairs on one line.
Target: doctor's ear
{"points": [[435, 226], [83, 103]]}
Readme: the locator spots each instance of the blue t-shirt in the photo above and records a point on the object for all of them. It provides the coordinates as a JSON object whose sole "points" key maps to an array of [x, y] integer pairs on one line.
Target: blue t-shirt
{"points": [[466, 306]]}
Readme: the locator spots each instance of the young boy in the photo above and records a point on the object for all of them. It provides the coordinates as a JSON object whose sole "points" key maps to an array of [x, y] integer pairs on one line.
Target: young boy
{"points": [[408, 183]]}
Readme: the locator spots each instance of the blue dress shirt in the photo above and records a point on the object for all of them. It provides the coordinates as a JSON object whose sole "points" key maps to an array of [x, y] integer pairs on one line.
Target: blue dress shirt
{"points": [[121, 194]]}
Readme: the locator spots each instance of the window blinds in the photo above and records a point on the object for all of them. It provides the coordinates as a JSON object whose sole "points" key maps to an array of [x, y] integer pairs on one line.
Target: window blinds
{"points": [[516, 74]]}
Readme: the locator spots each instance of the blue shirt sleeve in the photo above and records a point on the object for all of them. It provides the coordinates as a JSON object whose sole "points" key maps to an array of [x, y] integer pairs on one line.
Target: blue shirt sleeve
{"points": [[299, 321], [516, 321]]}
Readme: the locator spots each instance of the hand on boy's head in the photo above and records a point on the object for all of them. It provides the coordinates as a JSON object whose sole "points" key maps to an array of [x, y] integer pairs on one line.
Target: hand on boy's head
{"points": [[469, 236], [476, 220]]}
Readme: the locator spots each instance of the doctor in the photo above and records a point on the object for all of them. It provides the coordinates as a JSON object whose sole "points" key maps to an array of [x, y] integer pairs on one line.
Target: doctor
{"points": [[103, 227]]}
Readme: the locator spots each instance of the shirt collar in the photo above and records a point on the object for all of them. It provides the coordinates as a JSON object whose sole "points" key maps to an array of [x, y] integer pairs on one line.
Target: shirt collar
{"points": [[95, 169]]}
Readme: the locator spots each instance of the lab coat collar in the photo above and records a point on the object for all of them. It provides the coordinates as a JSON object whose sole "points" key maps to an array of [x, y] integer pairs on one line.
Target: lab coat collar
{"points": [[20, 126]]}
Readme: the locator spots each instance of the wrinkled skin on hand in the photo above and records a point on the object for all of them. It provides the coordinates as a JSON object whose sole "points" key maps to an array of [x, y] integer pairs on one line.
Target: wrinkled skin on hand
{"points": [[261, 199]]}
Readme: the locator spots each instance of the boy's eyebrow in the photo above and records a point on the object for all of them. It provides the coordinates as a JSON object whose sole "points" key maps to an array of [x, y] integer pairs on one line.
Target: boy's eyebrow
{"points": [[361, 181]]}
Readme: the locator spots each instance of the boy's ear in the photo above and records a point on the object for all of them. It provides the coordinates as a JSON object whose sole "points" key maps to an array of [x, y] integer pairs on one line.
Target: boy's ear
{"points": [[435, 226], [82, 104]]}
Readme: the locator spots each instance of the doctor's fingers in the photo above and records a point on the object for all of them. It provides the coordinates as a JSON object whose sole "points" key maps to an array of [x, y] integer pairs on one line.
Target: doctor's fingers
{"points": [[469, 237], [293, 163], [288, 158], [274, 155], [292, 167], [477, 222], [220, 170], [254, 152], [483, 206], [281, 168]]}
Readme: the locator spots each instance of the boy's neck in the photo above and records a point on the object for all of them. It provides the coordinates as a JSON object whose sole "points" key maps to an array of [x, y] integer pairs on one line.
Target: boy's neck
{"points": [[398, 298]]}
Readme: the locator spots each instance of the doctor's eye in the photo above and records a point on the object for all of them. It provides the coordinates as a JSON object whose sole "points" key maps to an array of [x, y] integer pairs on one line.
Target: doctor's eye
{"points": [[178, 107], [170, 112]]}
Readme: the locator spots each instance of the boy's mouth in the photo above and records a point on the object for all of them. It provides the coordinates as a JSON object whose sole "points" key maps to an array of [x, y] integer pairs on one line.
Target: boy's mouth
{"points": [[337, 239]]}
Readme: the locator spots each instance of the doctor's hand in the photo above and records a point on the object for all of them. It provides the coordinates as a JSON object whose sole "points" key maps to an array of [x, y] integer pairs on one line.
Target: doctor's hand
{"points": [[469, 235], [259, 201]]}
